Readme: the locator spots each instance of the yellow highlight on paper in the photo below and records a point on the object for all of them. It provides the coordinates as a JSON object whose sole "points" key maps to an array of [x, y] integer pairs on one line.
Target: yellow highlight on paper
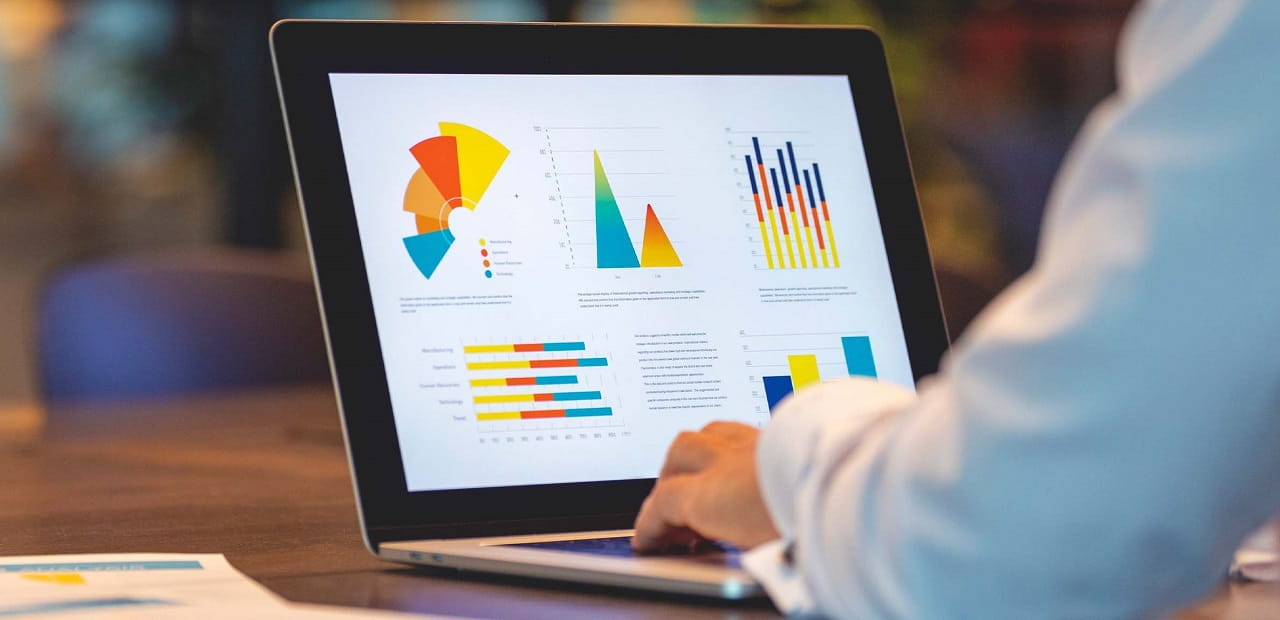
{"points": [[62, 579], [804, 370]]}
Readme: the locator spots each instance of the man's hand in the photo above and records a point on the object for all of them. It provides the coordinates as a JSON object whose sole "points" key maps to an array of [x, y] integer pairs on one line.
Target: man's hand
{"points": [[707, 490]]}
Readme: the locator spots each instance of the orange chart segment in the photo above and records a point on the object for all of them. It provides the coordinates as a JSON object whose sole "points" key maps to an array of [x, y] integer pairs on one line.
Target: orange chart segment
{"points": [[438, 157], [425, 201], [656, 249]]}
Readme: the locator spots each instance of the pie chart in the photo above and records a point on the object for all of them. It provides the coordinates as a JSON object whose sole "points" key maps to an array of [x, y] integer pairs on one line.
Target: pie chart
{"points": [[454, 170]]}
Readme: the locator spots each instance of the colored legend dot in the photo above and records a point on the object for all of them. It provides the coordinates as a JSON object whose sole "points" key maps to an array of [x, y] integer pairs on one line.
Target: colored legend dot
{"points": [[484, 252], [482, 243], [486, 263], [488, 274]]}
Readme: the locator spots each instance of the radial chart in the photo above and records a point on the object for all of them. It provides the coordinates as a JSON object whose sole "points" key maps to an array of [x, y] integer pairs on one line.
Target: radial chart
{"points": [[454, 170]]}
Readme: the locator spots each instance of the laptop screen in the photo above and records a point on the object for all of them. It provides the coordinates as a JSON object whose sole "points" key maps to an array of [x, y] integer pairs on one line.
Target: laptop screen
{"points": [[568, 270]]}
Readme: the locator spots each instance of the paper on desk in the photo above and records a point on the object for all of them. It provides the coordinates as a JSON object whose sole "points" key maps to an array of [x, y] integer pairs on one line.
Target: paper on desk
{"points": [[143, 586]]}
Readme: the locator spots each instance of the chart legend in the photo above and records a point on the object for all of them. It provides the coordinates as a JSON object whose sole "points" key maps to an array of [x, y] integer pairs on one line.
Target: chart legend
{"points": [[454, 170], [793, 219]]}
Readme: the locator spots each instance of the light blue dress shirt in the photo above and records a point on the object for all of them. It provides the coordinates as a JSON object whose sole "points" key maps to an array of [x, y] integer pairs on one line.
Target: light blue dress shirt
{"points": [[1108, 430]]}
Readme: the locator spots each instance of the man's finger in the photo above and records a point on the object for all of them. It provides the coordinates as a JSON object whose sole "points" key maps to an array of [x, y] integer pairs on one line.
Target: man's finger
{"points": [[663, 514], [733, 431], [689, 453]]}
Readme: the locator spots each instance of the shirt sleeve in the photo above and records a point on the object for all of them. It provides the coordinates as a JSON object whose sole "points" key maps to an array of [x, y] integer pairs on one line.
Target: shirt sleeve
{"points": [[1107, 431]]}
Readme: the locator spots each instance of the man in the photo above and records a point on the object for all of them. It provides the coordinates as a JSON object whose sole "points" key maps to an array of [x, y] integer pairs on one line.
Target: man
{"points": [[1108, 430]]}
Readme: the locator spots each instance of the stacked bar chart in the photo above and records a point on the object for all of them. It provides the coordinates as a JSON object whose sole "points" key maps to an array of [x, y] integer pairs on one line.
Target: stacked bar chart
{"points": [[534, 381], [794, 220], [803, 369], [614, 248]]}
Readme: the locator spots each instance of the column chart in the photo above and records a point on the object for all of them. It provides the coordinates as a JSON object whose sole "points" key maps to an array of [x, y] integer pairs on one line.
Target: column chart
{"points": [[792, 362], [791, 209]]}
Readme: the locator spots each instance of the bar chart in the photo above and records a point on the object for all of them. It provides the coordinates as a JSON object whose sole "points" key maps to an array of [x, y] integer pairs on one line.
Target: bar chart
{"points": [[536, 381], [791, 212], [827, 356]]}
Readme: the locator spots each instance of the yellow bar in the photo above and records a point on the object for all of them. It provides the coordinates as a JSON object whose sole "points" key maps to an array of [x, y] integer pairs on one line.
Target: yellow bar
{"points": [[489, 348], [487, 382], [767, 252], [813, 254], [795, 228], [499, 415], [831, 244], [505, 398], [497, 365], [804, 370]]}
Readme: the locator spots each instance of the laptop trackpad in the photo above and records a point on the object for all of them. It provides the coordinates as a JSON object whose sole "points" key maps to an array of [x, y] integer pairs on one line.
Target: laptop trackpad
{"points": [[620, 546]]}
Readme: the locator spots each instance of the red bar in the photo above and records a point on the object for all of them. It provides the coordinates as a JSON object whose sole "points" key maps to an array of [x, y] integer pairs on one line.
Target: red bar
{"points": [[535, 415], [800, 195], [768, 199], [759, 213], [522, 381], [826, 217], [528, 348], [537, 398], [553, 363]]}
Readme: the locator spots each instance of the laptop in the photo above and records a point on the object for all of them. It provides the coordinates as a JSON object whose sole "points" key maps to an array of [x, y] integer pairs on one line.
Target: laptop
{"points": [[541, 251]]}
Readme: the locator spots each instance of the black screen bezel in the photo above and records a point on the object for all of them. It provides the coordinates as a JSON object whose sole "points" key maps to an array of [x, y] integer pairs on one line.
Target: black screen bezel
{"points": [[307, 51]]}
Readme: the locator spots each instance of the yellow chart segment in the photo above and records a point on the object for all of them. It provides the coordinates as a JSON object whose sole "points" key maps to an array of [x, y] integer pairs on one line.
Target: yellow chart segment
{"points": [[804, 370], [479, 158], [62, 579]]}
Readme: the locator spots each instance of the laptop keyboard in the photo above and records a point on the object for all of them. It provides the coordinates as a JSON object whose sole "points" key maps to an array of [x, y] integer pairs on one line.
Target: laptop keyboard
{"points": [[620, 546]]}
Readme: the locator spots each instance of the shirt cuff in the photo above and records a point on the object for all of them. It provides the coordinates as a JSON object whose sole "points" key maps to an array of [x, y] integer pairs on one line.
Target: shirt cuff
{"points": [[807, 421], [771, 565]]}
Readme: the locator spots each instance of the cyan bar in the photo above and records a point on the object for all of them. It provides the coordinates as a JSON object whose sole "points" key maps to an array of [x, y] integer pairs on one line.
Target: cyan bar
{"points": [[590, 412], [857, 356], [89, 567], [575, 396], [593, 361], [564, 346], [555, 380]]}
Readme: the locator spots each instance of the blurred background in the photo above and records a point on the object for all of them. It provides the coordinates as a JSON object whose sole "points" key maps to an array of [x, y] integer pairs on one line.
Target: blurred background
{"points": [[138, 126]]}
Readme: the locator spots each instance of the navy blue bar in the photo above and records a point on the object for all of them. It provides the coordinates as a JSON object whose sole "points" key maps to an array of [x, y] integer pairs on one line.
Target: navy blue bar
{"points": [[756, 142], [813, 204], [776, 389], [795, 172], [818, 177], [777, 194], [751, 174], [782, 163]]}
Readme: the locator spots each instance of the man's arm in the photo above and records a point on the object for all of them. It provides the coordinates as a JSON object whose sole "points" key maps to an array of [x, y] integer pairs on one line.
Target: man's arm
{"points": [[1107, 431]]}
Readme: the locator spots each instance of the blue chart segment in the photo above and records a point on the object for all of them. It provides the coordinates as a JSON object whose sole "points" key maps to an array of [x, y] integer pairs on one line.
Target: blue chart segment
{"points": [[776, 389], [803, 368], [857, 356]]}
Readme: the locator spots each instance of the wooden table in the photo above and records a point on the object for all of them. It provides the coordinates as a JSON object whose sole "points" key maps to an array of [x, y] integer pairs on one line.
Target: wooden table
{"points": [[262, 478]]}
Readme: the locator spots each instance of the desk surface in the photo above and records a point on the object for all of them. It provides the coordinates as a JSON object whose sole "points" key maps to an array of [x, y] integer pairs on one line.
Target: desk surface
{"points": [[262, 478]]}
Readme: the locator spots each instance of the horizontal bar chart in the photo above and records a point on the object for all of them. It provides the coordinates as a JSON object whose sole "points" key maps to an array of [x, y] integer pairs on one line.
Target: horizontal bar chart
{"points": [[534, 347], [538, 414], [555, 363], [536, 398], [505, 381]]}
